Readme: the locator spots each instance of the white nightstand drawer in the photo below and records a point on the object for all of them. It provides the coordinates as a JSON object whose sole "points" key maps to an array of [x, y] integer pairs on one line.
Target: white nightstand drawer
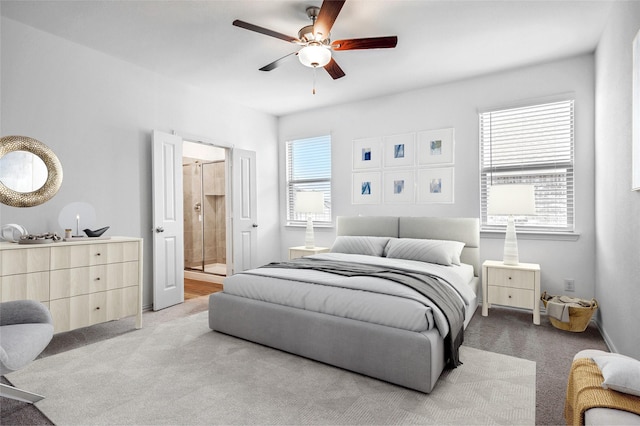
{"points": [[295, 252], [508, 296], [511, 278]]}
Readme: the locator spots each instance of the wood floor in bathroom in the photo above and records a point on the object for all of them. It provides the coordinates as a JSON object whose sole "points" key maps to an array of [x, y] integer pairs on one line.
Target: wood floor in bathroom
{"points": [[195, 288]]}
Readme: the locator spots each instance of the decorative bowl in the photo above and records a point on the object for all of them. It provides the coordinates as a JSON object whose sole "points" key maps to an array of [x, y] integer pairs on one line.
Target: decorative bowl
{"points": [[95, 233]]}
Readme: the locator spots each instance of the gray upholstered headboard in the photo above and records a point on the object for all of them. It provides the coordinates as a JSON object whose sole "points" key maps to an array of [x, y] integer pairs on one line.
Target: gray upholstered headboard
{"points": [[465, 229]]}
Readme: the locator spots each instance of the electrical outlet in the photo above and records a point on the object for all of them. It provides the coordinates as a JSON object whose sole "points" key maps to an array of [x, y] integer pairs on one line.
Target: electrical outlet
{"points": [[569, 284]]}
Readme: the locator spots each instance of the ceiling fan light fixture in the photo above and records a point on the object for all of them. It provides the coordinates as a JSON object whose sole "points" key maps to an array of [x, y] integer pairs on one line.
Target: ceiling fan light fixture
{"points": [[314, 55]]}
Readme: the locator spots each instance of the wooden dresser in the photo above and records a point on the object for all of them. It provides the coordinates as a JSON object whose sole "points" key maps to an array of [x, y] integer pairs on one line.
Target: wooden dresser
{"points": [[83, 282]]}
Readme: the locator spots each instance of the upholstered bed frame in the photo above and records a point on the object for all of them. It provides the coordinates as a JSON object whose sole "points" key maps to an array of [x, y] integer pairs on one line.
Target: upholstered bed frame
{"points": [[411, 359]]}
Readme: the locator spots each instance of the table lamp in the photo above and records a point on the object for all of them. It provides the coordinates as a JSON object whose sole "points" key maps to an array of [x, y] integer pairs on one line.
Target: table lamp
{"points": [[511, 200], [309, 203]]}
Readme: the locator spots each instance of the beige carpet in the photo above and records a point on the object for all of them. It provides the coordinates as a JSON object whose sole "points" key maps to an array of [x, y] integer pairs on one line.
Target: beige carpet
{"points": [[180, 372]]}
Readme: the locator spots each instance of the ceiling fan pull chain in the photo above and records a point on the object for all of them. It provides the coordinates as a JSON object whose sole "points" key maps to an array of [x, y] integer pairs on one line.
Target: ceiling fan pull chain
{"points": [[314, 80]]}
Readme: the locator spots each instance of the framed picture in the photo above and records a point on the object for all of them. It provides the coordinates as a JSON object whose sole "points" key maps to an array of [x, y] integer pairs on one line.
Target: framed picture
{"points": [[635, 166], [435, 147], [367, 153], [399, 150], [435, 185], [366, 188], [399, 187]]}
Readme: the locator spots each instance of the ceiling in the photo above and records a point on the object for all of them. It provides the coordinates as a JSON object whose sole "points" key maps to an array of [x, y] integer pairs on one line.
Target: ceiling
{"points": [[438, 41]]}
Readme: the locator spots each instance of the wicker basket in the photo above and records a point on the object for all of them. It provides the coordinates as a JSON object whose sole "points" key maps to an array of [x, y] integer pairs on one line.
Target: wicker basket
{"points": [[579, 317]]}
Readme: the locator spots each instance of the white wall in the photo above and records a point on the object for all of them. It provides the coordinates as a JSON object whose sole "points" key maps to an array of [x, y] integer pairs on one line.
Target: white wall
{"points": [[617, 207], [456, 105], [97, 114]]}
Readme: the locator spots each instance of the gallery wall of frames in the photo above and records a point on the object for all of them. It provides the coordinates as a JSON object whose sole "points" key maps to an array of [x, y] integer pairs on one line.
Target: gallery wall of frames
{"points": [[408, 168]]}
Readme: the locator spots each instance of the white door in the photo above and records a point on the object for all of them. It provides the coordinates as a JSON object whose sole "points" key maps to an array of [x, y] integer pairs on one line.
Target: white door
{"points": [[244, 210], [168, 250]]}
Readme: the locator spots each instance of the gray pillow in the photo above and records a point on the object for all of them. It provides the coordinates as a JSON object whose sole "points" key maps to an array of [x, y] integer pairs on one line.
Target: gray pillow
{"points": [[621, 374], [371, 246], [442, 252]]}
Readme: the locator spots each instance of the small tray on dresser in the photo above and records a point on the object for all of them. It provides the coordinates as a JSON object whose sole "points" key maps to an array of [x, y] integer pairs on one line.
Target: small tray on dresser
{"points": [[38, 241], [86, 238]]}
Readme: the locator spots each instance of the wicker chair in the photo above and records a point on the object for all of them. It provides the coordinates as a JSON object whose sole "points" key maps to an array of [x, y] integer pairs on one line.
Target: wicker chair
{"points": [[26, 328]]}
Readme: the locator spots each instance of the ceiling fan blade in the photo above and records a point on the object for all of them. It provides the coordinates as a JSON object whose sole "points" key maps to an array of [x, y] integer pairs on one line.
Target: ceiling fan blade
{"points": [[277, 62], [327, 16], [365, 43], [334, 69], [265, 31]]}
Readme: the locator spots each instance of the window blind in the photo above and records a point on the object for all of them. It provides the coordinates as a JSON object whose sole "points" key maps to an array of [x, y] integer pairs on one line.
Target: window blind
{"points": [[530, 145], [309, 169]]}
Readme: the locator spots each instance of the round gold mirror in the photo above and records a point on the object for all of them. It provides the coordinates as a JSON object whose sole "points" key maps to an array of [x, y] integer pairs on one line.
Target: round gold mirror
{"points": [[30, 173]]}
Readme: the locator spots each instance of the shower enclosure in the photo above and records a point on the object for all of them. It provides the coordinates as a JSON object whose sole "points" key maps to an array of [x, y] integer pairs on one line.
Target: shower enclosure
{"points": [[204, 216]]}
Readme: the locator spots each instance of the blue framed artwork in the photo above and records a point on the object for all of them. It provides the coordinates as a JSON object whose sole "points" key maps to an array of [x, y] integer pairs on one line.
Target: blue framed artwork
{"points": [[436, 147], [366, 188], [399, 150], [399, 187], [366, 153], [435, 185]]}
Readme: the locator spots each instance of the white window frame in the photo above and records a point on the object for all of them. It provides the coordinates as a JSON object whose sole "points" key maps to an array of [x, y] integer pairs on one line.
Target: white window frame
{"points": [[532, 144], [311, 180]]}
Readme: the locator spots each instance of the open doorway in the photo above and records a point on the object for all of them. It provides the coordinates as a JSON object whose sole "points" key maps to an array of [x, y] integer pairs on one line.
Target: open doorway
{"points": [[204, 170], [241, 213]]}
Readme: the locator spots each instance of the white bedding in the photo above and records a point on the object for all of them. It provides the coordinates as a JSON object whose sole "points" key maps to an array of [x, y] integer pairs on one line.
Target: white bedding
{"points": [[367, 299]]}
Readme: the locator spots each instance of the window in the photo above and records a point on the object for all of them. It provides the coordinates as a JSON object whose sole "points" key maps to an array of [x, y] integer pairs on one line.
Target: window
{"points": [[309, 169], [530, 145]]}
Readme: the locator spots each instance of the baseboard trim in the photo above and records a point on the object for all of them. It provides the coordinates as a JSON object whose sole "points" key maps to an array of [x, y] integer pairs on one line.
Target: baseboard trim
{"points": [[543, 311], [605, 336]]}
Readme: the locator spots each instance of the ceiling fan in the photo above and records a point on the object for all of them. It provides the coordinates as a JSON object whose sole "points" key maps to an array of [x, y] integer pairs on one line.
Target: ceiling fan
{"points": [[314, 39]]}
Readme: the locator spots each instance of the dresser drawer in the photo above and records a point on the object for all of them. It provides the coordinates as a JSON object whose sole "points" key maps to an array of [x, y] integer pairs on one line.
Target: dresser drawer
{"points": [[511, 278], [121, 275], [122, 252], [122, 302], [76, 256], [77, 281], [25, 286], [507, 296], [79, 311], [22, 261]]}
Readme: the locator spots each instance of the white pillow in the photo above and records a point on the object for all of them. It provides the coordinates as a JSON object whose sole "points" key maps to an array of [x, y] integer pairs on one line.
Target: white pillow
{"points": [[442, 252], [621, 374], [371, 246]]}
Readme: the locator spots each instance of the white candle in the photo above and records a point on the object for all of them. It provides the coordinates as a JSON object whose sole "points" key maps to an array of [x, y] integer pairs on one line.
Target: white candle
{"points": [[78, 225]]}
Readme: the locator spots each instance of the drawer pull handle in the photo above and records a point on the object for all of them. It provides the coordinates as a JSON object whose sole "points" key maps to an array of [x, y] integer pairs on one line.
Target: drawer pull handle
{"points": [[98, 308], [509, 296], [509, 277], [98, 254], [98, 279]]}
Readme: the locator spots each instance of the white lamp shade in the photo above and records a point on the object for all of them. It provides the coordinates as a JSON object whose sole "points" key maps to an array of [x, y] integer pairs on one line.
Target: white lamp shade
{"points": [[314, 55], [511, 199], [309, 202]]}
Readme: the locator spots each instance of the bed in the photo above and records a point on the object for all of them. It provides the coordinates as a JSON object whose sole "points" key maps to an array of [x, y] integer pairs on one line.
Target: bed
{"points": [[372, 326]]}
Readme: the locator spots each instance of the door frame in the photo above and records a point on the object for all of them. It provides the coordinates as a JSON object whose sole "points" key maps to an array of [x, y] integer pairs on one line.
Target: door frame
{"points": [[228, 148]]}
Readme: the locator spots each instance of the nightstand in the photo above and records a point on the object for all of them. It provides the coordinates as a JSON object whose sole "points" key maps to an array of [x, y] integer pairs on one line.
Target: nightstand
{"points": [[295, 252], [517, 286]]}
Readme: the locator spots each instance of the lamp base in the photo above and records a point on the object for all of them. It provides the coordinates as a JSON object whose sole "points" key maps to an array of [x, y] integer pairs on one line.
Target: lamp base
{"points": [[308, 236], [510, 255]]}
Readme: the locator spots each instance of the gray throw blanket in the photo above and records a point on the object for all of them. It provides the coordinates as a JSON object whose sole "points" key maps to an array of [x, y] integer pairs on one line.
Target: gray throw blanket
{"points": [[428, 285]]}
